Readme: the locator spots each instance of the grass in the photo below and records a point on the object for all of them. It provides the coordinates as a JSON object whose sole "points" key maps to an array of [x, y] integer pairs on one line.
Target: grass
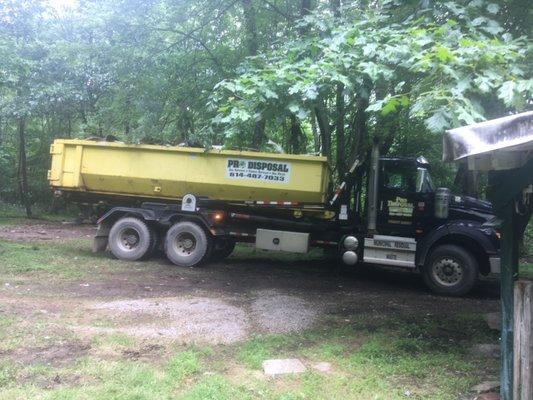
{"points": [[183, 365], [69, 259], [526, 270], [11, 214], [428, 357], [372, 356], [260, 348]]}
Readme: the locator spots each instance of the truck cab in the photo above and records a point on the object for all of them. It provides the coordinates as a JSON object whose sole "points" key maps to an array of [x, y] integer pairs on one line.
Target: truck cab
{"points": [[409, 223]]}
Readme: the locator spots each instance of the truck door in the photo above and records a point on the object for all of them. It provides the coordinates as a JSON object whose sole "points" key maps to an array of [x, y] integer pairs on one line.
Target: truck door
{"points": [[402, 200]]}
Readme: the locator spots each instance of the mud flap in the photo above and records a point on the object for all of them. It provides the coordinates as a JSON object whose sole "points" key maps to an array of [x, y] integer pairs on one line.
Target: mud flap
{"points": [[101, 238]]}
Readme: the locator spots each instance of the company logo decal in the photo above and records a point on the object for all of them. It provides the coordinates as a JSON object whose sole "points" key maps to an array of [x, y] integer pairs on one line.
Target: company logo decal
{"points": [[260, 170]]}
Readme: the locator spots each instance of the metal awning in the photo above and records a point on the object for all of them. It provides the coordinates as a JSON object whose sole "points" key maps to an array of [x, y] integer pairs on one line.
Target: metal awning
{"points": [[502, 143]]}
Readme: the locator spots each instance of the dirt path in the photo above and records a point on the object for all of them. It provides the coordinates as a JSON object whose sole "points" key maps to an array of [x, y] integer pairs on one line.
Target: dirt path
{"points": [[40, 230], [224, 302]]}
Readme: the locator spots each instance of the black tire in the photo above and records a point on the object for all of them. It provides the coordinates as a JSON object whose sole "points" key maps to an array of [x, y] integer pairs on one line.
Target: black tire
{"points": [[222, 249], [187, 244], [450, 270], [131, 239]]}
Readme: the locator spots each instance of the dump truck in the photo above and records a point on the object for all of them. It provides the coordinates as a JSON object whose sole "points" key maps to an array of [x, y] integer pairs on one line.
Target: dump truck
{"points": [[196, 204]]}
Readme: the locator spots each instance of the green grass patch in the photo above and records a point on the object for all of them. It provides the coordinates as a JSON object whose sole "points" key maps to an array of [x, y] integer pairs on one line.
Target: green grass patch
{"points": [[11, 214], [263, 347], [70, 259], [7, 373], [216, 387], [183, 365], [379, 361], [526, 270]]}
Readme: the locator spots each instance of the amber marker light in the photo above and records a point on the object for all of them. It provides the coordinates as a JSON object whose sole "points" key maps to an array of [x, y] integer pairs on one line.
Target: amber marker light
{"points": [[218, 216]]}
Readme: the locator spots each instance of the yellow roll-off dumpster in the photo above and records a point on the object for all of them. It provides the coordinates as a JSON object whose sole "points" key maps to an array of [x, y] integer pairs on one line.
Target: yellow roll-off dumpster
{"points": [[170, 172]]}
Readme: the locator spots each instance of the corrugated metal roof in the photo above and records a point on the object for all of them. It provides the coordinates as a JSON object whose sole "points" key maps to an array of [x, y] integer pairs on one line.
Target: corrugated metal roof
{"points": [[485, 142]]}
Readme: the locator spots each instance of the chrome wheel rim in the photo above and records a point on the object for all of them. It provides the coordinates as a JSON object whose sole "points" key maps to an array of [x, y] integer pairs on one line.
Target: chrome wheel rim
{"points": [[447, 271]]}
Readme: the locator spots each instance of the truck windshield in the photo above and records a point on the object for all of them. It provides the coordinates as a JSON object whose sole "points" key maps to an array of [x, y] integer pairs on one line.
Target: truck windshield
{"points": [[424, 184]]}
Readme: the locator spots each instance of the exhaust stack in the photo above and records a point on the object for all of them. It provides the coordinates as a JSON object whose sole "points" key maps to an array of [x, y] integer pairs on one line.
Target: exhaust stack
{"points": [[373, 189]]}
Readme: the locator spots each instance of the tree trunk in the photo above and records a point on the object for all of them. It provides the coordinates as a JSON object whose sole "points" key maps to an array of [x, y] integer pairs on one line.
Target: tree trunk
{"points": [[252, 44], [305, 9], [69, 127], [360, 130], [250, 26], [340, 109], [259, 137], [339, 130], [23, 172], [296, 135], [323, 126], [316, 136]]}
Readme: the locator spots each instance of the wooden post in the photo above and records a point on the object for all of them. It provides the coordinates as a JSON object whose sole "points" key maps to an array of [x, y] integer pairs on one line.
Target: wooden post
{"points": [[507, 299], [523, 340], [505, 192]]}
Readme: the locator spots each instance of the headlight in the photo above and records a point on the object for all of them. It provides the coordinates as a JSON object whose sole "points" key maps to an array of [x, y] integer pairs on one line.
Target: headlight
{"points": [[350, 243]]}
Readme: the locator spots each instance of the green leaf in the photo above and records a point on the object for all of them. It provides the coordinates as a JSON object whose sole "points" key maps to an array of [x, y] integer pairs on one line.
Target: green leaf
{"points": [[464, 115], [389, 107], [493, 8], [437, 122], [269, 94], [479, 21], [375, 106], [293, 107], [507, 92], [311, 92], [404, 101], [302, 114], [443, 53]]}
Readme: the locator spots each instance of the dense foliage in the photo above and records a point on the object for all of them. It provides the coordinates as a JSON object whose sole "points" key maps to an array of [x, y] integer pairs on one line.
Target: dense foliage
{"points": [[322, 76]]}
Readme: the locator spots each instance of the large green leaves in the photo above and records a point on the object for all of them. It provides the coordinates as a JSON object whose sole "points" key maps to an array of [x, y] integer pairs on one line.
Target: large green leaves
{"points": [[442, 73]]}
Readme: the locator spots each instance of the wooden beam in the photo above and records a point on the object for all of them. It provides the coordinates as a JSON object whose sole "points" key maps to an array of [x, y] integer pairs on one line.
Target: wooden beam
{"points": [[523, 340]]}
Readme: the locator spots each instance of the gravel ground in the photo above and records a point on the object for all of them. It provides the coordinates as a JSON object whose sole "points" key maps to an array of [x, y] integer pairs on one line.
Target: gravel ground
{"points": [[276, 312]]}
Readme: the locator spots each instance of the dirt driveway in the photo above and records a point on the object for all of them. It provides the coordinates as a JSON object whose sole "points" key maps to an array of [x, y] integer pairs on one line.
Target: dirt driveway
{"points": [[223, 302]]}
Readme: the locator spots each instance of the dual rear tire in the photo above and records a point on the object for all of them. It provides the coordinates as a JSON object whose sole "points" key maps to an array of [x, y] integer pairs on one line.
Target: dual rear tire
{"points": [[131, 239], [186, 244]]}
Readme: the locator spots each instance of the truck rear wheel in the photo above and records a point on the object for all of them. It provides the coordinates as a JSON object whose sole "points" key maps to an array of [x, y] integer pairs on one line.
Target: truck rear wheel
{"points": [[131, 239], [450, 270], [186, 244]]}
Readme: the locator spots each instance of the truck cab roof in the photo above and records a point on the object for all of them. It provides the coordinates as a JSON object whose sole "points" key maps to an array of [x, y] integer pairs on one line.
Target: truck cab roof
{"points": [[419, 161]]}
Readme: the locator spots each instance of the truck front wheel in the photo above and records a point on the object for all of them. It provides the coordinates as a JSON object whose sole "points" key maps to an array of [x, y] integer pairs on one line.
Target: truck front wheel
{"points": [[186, 244], [130, 239], [450, 270]]}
